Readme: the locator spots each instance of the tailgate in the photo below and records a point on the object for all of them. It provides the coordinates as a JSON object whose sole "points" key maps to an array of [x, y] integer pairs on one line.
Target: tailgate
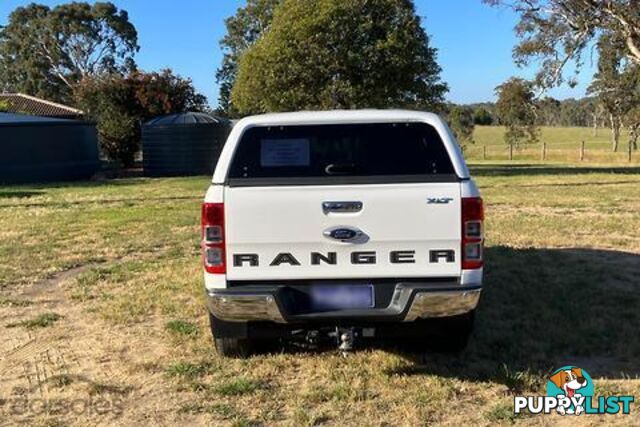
{"points": [[280, 232]]}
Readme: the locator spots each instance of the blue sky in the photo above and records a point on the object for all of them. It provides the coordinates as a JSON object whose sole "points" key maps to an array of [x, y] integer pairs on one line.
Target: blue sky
{"points": [[474, 42]]}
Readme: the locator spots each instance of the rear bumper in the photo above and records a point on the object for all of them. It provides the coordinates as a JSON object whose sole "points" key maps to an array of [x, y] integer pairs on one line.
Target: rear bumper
{"points": [[409, 302]]}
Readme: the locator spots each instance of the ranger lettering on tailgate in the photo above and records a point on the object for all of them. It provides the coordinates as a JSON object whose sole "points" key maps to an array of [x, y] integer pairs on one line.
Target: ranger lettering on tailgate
{"points": [[331, 258]]}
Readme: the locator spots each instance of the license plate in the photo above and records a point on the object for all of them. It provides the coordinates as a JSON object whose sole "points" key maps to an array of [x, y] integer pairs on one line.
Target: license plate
{"points": [[341, 297]]}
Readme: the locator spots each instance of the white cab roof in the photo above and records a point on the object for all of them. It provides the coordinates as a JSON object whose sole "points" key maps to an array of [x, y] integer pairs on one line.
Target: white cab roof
{"points": [[337, 116]]}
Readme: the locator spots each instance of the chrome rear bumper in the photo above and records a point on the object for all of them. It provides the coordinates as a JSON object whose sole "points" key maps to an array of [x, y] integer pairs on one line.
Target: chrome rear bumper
{"points": [[442, 304], [408, 304], [244, 308]]}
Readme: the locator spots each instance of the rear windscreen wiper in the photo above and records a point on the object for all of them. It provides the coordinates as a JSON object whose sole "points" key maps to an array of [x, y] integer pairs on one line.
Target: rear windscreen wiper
{"points": [[340, 168]]}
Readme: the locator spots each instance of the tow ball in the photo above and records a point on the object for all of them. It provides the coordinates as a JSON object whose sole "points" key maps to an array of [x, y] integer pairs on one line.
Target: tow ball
{"points": [[346, 338]]}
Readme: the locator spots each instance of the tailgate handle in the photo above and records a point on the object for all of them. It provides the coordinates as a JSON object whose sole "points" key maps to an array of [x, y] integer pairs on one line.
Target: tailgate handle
{"points": [[342, 207]]}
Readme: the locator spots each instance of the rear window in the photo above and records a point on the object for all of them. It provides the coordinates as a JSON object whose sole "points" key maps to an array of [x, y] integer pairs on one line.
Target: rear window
{"points": [[387, 152]]}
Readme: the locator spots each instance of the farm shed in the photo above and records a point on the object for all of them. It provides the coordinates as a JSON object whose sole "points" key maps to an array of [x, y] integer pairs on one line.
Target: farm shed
{"points": [[183, 144], [43, 149], [20, 103]]}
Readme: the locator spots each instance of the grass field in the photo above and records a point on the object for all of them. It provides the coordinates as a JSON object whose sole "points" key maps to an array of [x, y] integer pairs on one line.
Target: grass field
{"points": [[553, 136], [101, 304], [563, 144]]}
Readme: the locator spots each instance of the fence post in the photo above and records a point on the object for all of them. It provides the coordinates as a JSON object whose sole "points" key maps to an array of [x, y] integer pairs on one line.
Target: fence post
{"points": [[544, 151], [510, 151], [484, 152], [629, 155], [582, 151]]}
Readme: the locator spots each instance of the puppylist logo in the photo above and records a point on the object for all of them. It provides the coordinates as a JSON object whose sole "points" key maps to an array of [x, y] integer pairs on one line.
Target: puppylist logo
{"points": [[570, 391]]}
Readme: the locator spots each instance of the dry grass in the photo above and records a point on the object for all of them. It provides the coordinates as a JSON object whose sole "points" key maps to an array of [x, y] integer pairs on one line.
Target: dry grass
{"points": [[561, 288], [563, 145], [553, 136], [41, 321]]}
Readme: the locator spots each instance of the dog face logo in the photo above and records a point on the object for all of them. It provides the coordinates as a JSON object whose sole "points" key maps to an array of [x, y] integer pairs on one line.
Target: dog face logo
{"points": [[569, 380], [571, 385]]}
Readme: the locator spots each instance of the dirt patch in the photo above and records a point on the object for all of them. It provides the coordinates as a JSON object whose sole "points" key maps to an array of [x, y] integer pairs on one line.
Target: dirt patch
{"points": [[79, 369], [51, 286]]}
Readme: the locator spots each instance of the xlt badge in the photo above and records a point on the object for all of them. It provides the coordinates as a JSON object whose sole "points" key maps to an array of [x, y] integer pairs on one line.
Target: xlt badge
{"points": [[439, 200]]}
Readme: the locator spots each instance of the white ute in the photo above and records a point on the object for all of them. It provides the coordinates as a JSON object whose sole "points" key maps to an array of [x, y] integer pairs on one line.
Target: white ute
{"points": [[341, 224]]}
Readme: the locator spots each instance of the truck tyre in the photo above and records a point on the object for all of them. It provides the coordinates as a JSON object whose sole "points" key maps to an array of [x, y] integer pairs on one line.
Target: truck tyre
{"points": [[233, 347], [446, 335], [461, 329], [230, 346]]}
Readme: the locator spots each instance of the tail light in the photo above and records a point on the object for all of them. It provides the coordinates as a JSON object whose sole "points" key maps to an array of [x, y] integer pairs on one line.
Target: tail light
{"points": [[213, 244], [472, 233]]}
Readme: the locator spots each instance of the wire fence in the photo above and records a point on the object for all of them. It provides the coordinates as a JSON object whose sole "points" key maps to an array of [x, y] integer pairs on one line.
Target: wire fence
{"points": [[594, 152]]}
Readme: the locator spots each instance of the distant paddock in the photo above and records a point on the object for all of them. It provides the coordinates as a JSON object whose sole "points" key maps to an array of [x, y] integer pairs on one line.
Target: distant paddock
{"points": [[556, 144]]}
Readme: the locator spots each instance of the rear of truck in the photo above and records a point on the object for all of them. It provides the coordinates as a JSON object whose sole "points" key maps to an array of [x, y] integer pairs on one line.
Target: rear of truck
{"points": [[350, 224]]}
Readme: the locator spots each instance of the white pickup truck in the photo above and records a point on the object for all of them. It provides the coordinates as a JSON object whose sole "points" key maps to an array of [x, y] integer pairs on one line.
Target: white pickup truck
{"points": [[341, 224]]}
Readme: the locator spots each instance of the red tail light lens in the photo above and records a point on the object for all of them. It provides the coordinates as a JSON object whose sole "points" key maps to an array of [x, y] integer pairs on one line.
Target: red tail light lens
{"points": [[472, 233], [213, 244]]}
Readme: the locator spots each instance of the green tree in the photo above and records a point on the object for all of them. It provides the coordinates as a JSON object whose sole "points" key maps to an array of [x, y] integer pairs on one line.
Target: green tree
{"points": [[4, 106], [616, 86], [329, 54], [162, 93], [548, 111], [482, 117], [569, 112], [557, 32], [243, 30], [632, 118], [516, 110], [46, 52], [120, 105], [462, 124], [583, 112]]}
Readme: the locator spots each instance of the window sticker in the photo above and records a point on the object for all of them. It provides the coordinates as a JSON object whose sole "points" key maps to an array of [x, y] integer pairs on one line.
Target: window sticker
{"points": [[284, 152]]}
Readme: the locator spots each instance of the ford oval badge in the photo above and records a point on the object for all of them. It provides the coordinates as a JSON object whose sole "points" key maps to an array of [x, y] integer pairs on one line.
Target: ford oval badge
{"points": [[343, 234]]}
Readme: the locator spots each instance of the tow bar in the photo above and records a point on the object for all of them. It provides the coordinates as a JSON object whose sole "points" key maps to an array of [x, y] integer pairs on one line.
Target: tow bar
{"points": [[344, 337]]}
